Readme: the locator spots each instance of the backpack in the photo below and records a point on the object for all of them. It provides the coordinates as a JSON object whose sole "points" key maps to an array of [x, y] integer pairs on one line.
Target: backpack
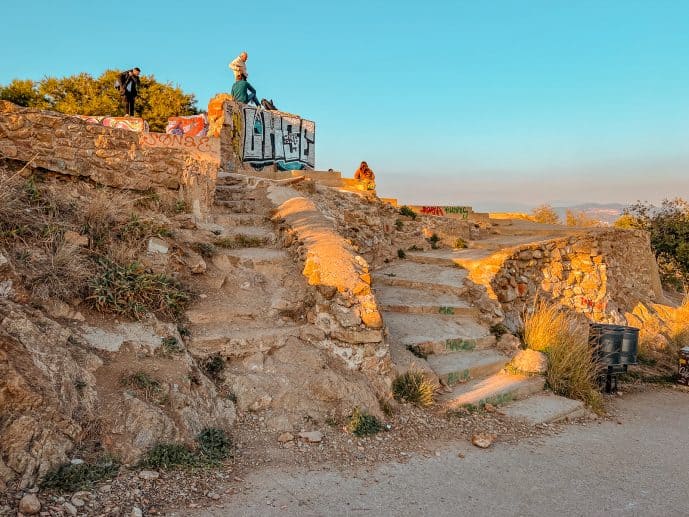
{"points": [[121, 81]]}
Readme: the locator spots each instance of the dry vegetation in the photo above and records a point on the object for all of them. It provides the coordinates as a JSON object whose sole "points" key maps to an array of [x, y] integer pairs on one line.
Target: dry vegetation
{"points": [[74, 241], [572, 369]]}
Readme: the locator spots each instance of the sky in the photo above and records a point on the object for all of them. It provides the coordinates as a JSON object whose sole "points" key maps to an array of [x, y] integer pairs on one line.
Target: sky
{"points": [[502, 104]]}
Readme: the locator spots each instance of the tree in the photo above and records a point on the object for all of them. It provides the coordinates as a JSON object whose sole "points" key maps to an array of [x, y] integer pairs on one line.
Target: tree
{"points": [[545, 214], [579, 218], [669, 229], [81, 94]]}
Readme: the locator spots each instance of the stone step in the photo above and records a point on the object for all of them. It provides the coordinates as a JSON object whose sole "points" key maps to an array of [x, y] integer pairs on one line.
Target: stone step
{"points": [[497, 389], [433, 334], [403, 361], [420, 276], [239, 219], [234, 196], [249, 257], [235, 341], [235, 206], [463, 366], [232, 187], [417, 301], [545, 408], [252, 233], [448, 257]]}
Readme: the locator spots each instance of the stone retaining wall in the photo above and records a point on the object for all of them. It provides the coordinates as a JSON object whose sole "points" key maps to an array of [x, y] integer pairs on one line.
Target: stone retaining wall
{"points": [[113, 157]]}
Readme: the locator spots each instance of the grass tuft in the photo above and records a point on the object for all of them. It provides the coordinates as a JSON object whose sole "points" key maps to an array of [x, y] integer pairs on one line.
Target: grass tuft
{"points": [[413, 387], [407, 212], [168, 455], [70, 478], [363, 424], [401, 254], [214, 444]]}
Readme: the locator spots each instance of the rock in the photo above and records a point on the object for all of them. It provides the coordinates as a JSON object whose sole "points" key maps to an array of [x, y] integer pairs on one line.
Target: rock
{"points": [[76, 239], [530, 361], [482, 440], [285, 437], [29, 505], [136, 512], [490, 408], [509, 344], [70, 509], [4, 262], [78, 502], [149, 475], [76, 461], [213, 495], [311, 436], [195, 262], [156, 245]]}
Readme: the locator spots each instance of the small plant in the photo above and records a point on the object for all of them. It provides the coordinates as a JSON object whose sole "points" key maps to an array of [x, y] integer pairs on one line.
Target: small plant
{"points": [[214, 365], [414, 247], [460, 243], [214, 444], [171, 345], [205, 249], [434, 240], [168, 455], [418, 351], [183, 331], [80, 385], [498, 330], [413, 387], [144, 383], [407, 212], [401, 254], [181, 207], [70, 478], [363, 424], [399, 224]]}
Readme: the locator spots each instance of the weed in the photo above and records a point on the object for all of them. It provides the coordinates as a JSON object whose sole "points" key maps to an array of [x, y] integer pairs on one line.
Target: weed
{"points": [[498, 330], [171, 345], [183, 331], [214, 444], [417, 351], [455, 377], [70, 478], [214, 365], [363, 424], [460, 243], [132, 291], [413, 387], [168, 455], [401, 254], [80, 385], [205, 249], [407, 212], [181, 207], [145, 384], [399, 224], [448, 311], [455, 345], [434, 240], [414, 247]]}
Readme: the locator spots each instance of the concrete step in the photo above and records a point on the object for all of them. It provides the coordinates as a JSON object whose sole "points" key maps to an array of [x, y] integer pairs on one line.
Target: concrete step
{"points": [[417, 301], [239, 219], [463, 366], [413, 275], [497, 389], [232, 187], [234, 196], [235, 341], [448, 257], [545, 408], [226, 259], [235, 206], [433, 334], [264, 235]]}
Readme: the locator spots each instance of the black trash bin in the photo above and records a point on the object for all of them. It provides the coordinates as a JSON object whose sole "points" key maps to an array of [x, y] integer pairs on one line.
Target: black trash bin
{"points": [[615, 348]]}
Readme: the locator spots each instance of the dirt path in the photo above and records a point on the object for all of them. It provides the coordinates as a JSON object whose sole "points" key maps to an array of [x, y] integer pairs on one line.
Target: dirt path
{"points": [[636, 464]]}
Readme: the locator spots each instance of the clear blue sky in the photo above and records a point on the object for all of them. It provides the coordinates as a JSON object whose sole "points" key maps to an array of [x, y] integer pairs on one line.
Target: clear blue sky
{"points": [[505, 101]]}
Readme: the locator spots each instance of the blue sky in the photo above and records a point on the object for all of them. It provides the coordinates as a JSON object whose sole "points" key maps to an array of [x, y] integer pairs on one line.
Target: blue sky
{"points": [[501, 103]]}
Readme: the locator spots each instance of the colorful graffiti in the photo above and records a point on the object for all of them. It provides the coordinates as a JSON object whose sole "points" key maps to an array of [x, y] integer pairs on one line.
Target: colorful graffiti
{"points": [[194, 125], [137, 125], [271, 137], [203, 144], [462, 211], [598, 306]]}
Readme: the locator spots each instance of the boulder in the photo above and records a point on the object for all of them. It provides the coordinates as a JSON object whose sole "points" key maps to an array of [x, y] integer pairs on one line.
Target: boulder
{"points": [[530, 361]]}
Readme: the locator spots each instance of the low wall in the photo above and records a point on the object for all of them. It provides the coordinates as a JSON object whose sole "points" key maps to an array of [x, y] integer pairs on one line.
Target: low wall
{"points": [[113, 157], [260, 138]]}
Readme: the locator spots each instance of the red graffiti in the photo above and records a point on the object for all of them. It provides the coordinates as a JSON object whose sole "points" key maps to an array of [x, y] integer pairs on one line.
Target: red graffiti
{"points": [[432, 210], [201, 144], [599, 306]]}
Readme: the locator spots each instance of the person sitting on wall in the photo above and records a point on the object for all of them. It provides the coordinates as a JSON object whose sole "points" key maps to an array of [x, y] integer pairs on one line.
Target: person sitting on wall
{"points": [[365, 175], [243, 92], [238, 66]]}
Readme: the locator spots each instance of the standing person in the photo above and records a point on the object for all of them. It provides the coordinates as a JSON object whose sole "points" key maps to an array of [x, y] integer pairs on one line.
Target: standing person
{"points": [[242, 91], [129, 89], [238, 66]]}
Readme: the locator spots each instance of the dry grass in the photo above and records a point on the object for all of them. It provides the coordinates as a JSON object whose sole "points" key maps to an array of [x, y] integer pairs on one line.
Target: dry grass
{"points": [[572, 369], [660, 342], [413, 387]]}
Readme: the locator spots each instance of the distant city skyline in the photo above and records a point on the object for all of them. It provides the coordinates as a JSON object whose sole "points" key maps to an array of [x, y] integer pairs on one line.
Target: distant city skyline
{"points": [[507, 102]]}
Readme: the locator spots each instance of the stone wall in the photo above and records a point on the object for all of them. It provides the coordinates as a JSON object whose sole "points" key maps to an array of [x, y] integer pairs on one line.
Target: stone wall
{"points": [[602, 273], [258, 138], [113, 157]]}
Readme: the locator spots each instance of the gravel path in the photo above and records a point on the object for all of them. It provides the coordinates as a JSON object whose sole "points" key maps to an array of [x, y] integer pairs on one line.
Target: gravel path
{"points": [[635, 464]]}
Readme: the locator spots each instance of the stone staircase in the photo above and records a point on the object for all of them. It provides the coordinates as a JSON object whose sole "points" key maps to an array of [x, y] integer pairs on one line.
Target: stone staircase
{"points": [[428, 313]]}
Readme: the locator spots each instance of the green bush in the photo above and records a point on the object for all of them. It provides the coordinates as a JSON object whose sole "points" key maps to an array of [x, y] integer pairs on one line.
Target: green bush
{"points": [[214, 444], [401, 254], [363, 424], [168, 455], [70, 478], [407, 212]]}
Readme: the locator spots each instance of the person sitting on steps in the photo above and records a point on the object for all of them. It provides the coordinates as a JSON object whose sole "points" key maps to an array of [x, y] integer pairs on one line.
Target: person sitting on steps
{"points": [[243, 92], [365, 175]]}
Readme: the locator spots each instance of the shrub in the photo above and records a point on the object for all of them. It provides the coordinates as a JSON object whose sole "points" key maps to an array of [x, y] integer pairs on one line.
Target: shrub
{"points": [[460, 243], [214, 444], [145, 384], [70, 478], [579, 218], [545, 214], [171, 345], [572, 368], [498, 330], [413, 387], [132, 291], [399, 224], [205, 249], [401, 254], [168, 455], [363, 424], [407, 212], [434, 240], [213, 365]]}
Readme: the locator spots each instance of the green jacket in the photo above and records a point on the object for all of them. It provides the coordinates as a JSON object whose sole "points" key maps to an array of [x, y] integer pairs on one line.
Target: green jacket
{"points": [[239, 91]]}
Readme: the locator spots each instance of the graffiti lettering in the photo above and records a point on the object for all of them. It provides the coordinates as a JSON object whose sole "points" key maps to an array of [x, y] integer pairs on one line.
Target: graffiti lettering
{"points": [[599, 306], [432, 210], [202, 144], [271, 137], [463, 211]]}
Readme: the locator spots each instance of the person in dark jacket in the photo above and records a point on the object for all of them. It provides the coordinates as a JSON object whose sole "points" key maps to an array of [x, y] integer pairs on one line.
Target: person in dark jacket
{"points": [[242, 91], [129, 89]]}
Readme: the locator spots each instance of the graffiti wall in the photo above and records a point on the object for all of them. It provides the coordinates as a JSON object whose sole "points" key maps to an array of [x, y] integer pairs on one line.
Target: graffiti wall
{"points": [[274, 137], [458, 212]]}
